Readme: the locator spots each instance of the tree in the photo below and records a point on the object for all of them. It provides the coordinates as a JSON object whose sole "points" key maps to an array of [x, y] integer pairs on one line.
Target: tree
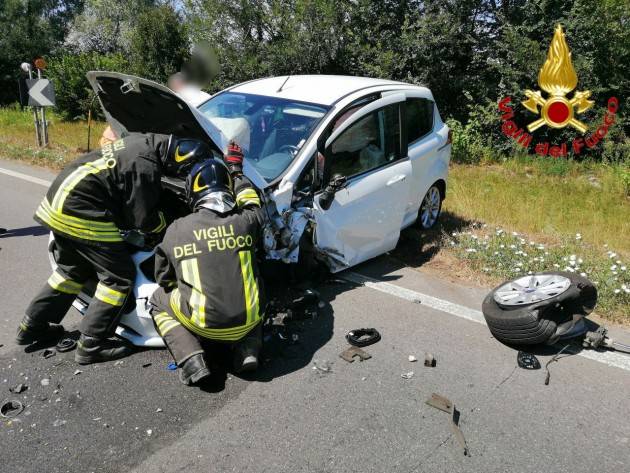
{"points": [[159, 43], [37, 28], [105, 26]]}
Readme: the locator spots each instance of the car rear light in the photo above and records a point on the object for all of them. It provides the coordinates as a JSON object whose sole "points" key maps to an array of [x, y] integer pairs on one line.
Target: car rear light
{"points": [[449, 140]]}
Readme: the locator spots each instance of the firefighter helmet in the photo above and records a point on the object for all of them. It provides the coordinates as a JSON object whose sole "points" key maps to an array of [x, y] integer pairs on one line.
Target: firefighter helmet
{"points": [[209, 184], [182, 154]]}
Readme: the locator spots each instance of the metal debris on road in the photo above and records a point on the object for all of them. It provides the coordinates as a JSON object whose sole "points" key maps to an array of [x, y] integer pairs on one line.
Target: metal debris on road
{"points": [[412, 359], [527, 361], [11, 408], [118, 363], [429, 360], [407, 375], [324, 366], [48, 353], [444, 404], [18, 388], [149, 432], [350, 353], [77, 372], [555, 357], [158, 409], [45, 382]]}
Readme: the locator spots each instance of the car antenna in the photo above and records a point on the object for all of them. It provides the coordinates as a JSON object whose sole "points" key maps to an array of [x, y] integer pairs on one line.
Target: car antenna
{"points": [[285, 81]]}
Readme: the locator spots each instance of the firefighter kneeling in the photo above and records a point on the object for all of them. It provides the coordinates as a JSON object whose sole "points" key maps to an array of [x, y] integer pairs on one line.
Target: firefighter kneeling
{"points": [[206, 267]]}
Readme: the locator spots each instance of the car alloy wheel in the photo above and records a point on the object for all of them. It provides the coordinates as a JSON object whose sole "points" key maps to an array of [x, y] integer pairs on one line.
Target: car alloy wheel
{"points": [[531, 289], [430, 208]]}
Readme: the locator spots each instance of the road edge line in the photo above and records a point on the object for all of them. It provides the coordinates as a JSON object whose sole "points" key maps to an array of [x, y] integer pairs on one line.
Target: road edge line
{"points": [[26, 177], [609, 358]]}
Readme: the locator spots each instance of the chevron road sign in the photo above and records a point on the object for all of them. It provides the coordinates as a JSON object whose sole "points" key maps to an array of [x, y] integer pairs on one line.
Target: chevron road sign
{"points": [[40, 93]]}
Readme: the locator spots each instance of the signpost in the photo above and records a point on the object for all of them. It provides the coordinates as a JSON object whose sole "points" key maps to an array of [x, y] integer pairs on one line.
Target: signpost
{"points": [[41, 94]]}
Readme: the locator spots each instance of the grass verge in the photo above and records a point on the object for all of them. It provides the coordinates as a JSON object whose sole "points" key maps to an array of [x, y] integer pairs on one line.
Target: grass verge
{"points": [[546, 198], [67, 139]]}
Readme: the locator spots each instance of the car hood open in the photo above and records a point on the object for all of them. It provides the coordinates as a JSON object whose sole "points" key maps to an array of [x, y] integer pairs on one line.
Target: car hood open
{"points": [[133, 104]]}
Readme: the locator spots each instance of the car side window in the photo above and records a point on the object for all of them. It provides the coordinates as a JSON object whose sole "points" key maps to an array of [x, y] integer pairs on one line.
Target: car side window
{"points": [[373, 141], [419, 118]]}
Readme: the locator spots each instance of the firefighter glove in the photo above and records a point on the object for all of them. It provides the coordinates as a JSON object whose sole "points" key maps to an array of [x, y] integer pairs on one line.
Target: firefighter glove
{"points": [[234, 158]]}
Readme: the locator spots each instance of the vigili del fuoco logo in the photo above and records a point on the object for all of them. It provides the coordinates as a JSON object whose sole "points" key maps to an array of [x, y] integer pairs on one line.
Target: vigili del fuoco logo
{"points": [[559, 107]]}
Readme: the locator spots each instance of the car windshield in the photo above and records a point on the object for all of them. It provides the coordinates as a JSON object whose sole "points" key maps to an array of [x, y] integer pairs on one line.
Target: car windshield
{"points": [[270, 130]]}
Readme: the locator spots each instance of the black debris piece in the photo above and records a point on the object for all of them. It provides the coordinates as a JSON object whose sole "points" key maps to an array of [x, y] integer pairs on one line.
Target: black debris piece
{"points": [[11, 408], [18, 388], [363, 337], [307, 299], [48, 353], [429, 360], [146, 365], [527, 361], [65, 345]]}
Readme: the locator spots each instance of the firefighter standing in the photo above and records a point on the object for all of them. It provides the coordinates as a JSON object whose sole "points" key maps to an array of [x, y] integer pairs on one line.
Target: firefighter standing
{"points": [[91, 200], [206, 267]]}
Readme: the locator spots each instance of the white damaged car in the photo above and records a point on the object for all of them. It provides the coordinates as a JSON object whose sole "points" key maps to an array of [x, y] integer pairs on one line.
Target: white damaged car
{"points": [[343, 163]]}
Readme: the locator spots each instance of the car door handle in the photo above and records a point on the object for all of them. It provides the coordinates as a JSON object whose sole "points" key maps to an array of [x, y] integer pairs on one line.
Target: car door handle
{"points": [[395, 179]]}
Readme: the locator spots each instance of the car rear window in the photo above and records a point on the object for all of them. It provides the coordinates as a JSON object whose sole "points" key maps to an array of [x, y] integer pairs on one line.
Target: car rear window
{"points": [[419, 118]]}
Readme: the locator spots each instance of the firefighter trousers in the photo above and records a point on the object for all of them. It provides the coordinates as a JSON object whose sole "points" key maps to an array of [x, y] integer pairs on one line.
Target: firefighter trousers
{"points": [[77, 263], [181, 342]]}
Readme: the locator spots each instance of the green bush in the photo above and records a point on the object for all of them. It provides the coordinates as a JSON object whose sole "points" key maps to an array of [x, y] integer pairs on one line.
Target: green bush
{"points": [[73, 93], [624, 174]]}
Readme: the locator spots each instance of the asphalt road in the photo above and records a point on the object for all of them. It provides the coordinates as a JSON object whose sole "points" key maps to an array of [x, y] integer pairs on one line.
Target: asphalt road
{"points": [[292, 417]]}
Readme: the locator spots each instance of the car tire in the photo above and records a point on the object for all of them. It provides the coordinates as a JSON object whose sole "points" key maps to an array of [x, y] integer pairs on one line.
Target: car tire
{"points": [[538, 322], [430, 208]]}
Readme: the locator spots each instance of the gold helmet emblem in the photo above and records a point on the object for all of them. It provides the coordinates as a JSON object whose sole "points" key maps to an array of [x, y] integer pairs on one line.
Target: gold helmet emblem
{"points": [[557, 77]]}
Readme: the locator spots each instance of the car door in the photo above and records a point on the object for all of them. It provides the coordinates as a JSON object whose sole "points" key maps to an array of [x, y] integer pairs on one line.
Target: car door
{"points": [[365, 217], [422, 145]]}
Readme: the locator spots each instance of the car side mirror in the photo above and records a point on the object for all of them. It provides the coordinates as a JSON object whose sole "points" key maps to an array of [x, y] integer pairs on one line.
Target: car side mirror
{"points": [[327, 197]]}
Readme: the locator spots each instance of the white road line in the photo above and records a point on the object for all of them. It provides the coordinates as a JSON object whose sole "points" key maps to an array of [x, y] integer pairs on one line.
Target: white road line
{"points": [[26, 177], [609, 358]]}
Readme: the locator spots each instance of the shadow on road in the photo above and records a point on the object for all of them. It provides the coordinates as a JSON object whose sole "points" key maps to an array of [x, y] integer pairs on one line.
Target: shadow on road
{"points": [[417, 247], [35, 230]]}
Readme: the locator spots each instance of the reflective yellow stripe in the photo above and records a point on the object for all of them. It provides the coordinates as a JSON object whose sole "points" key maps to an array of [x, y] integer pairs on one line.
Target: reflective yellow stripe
{"points": [[76, 176], [190, 270], [168, 326], [250, 286], [62, 284], [161, 317], [161, 226], [247, 197], [80, 222], [109, 296], [59, 222], [231, 334], [165, 322]]}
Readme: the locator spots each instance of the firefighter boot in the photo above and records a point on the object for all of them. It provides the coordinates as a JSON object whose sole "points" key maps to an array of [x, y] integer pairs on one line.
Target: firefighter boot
{"points": [[30, 331], [96, 350], [246, 356], [193, 370]]}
